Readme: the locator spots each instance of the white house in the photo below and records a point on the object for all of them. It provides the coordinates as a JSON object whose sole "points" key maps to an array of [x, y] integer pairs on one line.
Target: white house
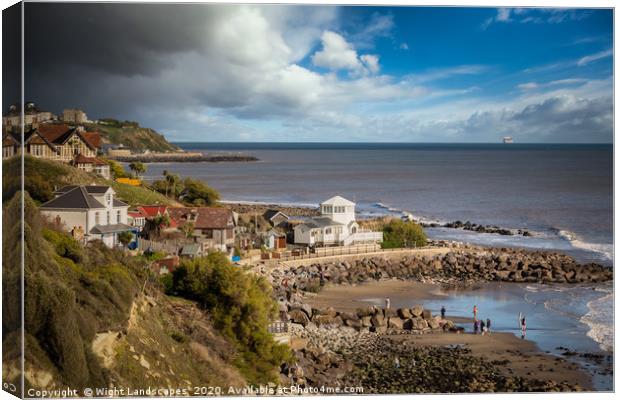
{"points": [[335, 226], [89, 213]]}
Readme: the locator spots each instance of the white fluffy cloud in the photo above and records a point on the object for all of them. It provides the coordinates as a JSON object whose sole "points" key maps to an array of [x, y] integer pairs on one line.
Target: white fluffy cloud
{"points": [[338, 54]]}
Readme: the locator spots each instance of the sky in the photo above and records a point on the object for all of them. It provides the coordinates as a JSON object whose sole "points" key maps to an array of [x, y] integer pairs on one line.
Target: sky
{"points": [[328, 73]]}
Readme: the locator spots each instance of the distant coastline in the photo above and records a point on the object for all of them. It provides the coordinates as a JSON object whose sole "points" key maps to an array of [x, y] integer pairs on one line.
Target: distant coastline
{"points": [[184, 157]]}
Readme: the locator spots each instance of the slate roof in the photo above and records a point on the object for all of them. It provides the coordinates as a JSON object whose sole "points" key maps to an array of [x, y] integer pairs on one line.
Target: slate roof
{"points": [[77, 198], [190, 250], [118, 203], [103, 229], [269, 214], [202, 217], [90, 189]]}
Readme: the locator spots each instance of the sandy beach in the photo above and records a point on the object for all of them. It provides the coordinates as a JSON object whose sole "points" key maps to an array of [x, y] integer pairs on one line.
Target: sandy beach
{"points": [[539, 357]]}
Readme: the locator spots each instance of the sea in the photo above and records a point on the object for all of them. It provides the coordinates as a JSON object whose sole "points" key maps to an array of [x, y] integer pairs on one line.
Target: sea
{"points": [[561, 193]]}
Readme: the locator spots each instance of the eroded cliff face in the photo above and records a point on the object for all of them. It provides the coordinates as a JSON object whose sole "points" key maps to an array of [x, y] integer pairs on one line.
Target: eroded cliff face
{"points": [[94, 318]]}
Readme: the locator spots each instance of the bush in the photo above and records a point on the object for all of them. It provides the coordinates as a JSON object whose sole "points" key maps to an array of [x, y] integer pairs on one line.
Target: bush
{"points": [[241, 307], [64, 245], [399, 233]]}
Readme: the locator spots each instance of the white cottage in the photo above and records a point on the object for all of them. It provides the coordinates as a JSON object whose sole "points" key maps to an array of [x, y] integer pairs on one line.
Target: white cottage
{"points": [[89, 213], [335, 226]]}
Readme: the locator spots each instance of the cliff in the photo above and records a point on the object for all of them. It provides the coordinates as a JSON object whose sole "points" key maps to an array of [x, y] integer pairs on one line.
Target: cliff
{"points": [[95, 318], [132, 135]]}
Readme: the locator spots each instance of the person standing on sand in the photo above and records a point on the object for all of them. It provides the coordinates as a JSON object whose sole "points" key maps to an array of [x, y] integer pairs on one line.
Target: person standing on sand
{"points": [[443, 312], [488, 326], [475, 313], [523, 328], [387, 303], [475, 327], [482, 327]]}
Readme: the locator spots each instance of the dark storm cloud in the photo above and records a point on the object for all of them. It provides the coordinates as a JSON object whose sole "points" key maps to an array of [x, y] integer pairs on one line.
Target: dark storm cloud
{"points": [[11, 55], [121, 39]]}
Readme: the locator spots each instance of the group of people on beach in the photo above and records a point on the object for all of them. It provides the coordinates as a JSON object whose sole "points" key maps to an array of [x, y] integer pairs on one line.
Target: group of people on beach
{"points": [[480, 325]]}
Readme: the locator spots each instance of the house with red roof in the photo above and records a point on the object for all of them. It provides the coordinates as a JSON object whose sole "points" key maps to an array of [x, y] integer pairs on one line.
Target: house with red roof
{"points": [[58, 142], [209, 227], [92, 164]]}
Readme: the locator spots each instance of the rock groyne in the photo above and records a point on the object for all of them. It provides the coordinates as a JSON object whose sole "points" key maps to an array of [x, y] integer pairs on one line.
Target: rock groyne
{"points": [[456, 266]]}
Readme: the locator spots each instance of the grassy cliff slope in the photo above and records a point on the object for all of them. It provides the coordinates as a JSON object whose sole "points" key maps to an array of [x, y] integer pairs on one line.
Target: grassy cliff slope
{"points": [[95, 317], [43, 176], [132, 135]]}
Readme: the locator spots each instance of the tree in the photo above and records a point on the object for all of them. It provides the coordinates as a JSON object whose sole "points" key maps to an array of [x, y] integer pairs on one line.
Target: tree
{"points": [[116, 169], [125, 238], [241, 307], [198, 193], [188, 229], [398, 233], [137, 167]]}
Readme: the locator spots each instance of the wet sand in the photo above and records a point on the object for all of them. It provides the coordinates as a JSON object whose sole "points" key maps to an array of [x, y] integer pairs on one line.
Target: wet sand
{"points": [[520, 357], [350, 297]]}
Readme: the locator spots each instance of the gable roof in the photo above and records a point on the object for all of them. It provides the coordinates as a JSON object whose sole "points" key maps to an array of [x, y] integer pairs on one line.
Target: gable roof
{"points": [[202, 217], [59, 134], [269, 214], [90, 189], [152, 211], [338, 201], [76, 198], [82, 159]]}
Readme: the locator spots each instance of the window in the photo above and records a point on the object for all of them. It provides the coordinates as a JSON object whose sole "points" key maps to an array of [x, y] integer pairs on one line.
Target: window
{"points": [[118, 216], [96, 218], [108, 198], [108, 217], [328, 231]]}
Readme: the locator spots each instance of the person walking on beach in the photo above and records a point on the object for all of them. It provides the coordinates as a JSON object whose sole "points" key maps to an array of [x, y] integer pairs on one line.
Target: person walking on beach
{"points": [[482, 327], [523, 328], [387, 303], [475, 312], [476, 327], [489, 326], [443, 312]]}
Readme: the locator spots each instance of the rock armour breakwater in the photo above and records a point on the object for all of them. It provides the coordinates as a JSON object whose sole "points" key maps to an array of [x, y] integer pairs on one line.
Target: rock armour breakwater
{"points": [[458, 266]]}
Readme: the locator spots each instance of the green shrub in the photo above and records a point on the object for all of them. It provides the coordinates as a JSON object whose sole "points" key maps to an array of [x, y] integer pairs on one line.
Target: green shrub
{"points": [[65, 245], [398, 233], [241, 307]]}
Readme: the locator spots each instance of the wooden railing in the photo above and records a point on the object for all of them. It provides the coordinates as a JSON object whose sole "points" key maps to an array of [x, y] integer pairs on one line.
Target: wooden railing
{"points": [[278, 327]]}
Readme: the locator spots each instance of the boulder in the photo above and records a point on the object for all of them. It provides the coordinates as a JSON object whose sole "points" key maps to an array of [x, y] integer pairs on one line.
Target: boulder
{"points": [[395, 323], [366, 322], [416, 311], [419, 324], [299, 317], [302, 307], [329, 311], [367, 311], [378, 320], [404, 313], [433, 323], [357, 325], [427, 314]]}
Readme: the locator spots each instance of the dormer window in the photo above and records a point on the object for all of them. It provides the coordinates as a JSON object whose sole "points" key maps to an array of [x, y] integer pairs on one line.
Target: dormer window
{"points": [[108, 198]]}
